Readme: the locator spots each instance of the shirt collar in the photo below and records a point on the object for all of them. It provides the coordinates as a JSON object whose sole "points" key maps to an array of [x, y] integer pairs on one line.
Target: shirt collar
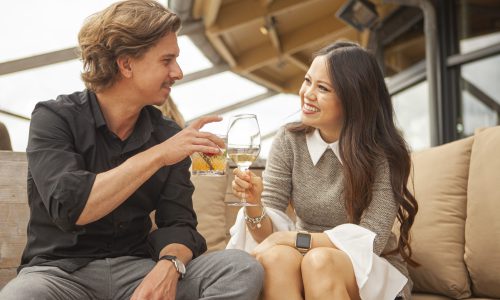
{"points": [[143, 127], [317, 146], [96, 110]]}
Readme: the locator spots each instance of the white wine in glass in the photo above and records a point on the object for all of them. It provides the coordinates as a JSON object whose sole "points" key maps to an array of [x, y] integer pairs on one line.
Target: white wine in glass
{"points": [[243, 145]]}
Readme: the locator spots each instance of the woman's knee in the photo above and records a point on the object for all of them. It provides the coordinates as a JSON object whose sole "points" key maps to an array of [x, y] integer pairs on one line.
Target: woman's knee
{"points": [[323, 259], [280, 256]]}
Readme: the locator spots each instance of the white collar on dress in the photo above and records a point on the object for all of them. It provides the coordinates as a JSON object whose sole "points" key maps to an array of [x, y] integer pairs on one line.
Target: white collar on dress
{"points": [[317, 146]]}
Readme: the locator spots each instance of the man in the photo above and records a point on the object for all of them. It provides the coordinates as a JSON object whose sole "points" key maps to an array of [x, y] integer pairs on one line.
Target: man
{"points": [[101, 160]]}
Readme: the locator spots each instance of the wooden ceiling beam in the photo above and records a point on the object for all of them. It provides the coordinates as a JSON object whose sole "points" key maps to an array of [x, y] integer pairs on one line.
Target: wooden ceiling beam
{"points": [[210, 11], [243, 12], [293, 84], [297, 62], [267, 82], [222, 49], [37, 61], [316, 33]]}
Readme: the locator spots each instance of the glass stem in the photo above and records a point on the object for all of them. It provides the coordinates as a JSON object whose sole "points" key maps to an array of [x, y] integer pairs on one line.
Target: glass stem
{"points": [[243, 169]]}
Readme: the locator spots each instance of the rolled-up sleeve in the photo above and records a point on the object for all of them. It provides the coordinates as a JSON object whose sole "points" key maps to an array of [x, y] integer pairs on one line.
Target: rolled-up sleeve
{"points": [[175, 216], [56, 169]]}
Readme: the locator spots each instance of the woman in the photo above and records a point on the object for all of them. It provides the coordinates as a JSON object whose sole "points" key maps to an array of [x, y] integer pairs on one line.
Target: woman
{"points": [[344, 170]]}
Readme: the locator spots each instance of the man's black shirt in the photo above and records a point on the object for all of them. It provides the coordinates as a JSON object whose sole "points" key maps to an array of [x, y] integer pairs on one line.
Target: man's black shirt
{"points": [[69, 144]]}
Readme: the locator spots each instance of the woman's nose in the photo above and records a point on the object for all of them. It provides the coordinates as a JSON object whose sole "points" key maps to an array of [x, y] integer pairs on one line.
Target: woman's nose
{"points": [[310, 95]]}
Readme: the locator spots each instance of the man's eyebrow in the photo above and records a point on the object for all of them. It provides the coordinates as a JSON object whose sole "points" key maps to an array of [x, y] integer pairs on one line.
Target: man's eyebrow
{"points": [[170, 55]]}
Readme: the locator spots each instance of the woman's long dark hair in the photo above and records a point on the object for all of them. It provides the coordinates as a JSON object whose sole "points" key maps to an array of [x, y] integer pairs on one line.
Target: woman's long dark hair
{"points": [[368, 135]]}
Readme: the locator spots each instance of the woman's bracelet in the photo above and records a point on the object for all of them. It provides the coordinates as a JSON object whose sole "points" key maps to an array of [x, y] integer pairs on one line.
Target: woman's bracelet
{"points": [[255, 222]]}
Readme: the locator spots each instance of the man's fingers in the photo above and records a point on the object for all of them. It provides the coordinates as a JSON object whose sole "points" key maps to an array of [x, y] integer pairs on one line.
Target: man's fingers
{"points": [[199, 123], [212, 137]]}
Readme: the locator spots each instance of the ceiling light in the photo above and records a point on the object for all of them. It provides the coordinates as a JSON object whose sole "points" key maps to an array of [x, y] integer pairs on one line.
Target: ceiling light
{"points": [[263, 30], [360, 14]]}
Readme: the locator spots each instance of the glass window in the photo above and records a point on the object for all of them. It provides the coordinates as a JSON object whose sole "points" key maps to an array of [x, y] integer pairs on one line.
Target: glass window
{"points": [[477, 18], [412, 115], [404, 51], [36, 27], [203, 96], [480, 94]]}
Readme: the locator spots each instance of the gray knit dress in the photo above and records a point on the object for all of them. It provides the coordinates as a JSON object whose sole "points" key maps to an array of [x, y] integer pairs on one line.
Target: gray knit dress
{"points": [[316, 194]]}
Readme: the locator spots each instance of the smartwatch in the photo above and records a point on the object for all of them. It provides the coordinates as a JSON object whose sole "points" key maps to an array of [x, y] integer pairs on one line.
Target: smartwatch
{"points": [[178, 264], [303, 241]]}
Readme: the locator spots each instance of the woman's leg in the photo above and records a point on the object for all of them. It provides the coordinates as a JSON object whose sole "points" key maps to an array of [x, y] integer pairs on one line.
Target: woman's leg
{"points": [[282, 279], [327, 273]]}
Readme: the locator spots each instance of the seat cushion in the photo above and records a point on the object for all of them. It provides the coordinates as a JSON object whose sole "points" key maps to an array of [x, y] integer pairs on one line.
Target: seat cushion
{"points": [[428, 297], [440, 187], [482, 227], [208, 203]]}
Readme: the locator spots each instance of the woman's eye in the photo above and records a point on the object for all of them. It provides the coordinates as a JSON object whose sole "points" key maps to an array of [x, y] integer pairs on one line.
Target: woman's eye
{"points": [[307, 80], [322, 88]]}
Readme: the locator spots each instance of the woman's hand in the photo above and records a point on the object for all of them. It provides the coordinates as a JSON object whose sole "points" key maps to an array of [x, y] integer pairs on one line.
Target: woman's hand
{"points": [[248, 185], [190, 140], [160, 283], [286, 238]]}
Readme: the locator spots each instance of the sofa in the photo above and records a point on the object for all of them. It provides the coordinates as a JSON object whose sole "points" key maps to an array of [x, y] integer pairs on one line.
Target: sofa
{"points": [[455, 238]]}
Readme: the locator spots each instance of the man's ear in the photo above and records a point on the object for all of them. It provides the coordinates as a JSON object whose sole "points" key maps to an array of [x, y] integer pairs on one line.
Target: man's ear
{"points": [[123, 63]]}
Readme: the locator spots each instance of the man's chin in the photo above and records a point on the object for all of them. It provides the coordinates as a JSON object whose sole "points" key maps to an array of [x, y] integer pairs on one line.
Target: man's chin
{"points": [[161, 101]]}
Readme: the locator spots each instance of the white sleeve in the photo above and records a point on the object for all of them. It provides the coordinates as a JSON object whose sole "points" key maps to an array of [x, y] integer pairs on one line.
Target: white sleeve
{"points": [[376, 277], [242, 239]]}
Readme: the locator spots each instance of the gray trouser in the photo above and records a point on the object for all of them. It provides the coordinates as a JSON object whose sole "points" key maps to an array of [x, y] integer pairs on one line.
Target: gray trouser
{"points": [[227, 274]]}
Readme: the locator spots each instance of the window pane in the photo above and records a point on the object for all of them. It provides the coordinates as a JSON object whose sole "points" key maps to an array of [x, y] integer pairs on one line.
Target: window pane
{"points": [[190, 57], [412, 115], [476, 114], [405, 50], [36, 27], [480, 94], [477, 18], [202, 96], [22, 90]]}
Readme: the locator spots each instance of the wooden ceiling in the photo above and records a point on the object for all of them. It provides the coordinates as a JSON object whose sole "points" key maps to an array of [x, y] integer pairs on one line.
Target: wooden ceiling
{"points": [[271, 41]]}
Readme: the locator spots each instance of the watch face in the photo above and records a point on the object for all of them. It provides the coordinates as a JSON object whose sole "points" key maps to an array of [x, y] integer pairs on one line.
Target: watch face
{"points": [[303, 240], [181, 266]]}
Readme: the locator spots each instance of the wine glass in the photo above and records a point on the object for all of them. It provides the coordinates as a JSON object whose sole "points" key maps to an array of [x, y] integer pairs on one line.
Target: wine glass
{"points": [[243, 145]]}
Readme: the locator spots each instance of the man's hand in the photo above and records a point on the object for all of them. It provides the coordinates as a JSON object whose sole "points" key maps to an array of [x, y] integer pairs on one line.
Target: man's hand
{"points": [[159, 284], [191, 140]]}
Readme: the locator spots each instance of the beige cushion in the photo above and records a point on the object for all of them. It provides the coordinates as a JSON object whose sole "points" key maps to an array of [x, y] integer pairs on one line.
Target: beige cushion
{"points": [[440, 181], [428, 297], [482, 228], [208, 202]]}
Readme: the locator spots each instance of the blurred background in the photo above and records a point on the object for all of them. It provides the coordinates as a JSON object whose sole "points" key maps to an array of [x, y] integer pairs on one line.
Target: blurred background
{"points": [[441, 59]]}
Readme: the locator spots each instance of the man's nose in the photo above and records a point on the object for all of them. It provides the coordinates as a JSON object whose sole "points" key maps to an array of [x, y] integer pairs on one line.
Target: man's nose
{"points": [[176, 72]]}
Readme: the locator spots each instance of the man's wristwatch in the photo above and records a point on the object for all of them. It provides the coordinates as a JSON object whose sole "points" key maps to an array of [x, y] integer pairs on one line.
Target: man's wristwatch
{"points": [[303, 241], [178, 264]]}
